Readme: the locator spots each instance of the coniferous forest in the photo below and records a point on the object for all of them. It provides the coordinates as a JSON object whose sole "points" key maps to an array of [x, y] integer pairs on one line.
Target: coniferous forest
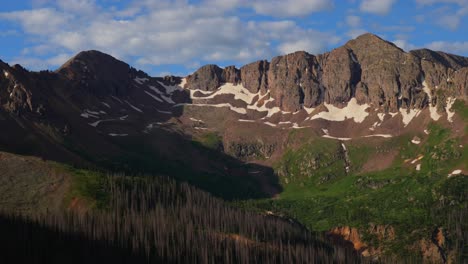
{"points": [[152, 220]]}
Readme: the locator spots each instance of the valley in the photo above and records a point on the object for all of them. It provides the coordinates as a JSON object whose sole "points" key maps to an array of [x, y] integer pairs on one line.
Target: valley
{"points": [[363, 146]]}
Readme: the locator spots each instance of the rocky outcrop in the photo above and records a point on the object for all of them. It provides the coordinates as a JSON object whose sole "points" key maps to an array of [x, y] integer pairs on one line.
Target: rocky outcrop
{"points": [[231, 75], [293, 81], [207, 78], [341, 73], [254, 76], [246, 150], [372, 70]]}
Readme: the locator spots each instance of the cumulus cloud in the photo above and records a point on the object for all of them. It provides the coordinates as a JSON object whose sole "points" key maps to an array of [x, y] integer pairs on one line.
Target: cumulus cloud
{"points": [[353, 21], [287, 8], [450, 47], [379, 7], [166, 32], [404, 44], [448, 17]]}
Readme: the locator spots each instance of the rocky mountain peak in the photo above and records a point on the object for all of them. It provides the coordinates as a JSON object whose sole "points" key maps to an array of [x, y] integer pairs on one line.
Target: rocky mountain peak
{"points": [[369, 68], [100, 73]]}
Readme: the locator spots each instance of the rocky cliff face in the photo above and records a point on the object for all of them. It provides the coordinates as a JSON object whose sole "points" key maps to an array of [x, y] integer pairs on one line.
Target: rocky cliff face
{"points": [[368, 68]]}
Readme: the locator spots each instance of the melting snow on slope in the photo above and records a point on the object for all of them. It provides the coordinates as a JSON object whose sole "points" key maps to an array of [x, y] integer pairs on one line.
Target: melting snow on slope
{"points": [[235, 109], [172, 88], [379, 135], [328, 136], [409, 115], [450, 102], [88, 113], [134, 107], [455, 172], [420, 157], [95, 124], [141, 80], [117, 99], [352, 110], [416, 140], [117, 135], [163, 96], [270, 124], [154, 96], [432, 109], [106, 105], [196, 120], [239, 92], [263, 108]]}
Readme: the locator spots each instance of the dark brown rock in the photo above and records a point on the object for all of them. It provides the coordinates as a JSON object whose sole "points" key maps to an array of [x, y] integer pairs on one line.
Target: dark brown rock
{"points": [[387, 73], [341, 73], [207, 78], [99, 73], [254, 76], [231, 75], [292, 79]]}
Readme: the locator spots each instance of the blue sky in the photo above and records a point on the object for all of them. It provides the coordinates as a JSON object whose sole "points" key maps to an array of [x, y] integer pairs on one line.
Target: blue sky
{"points": [[162, 37]]}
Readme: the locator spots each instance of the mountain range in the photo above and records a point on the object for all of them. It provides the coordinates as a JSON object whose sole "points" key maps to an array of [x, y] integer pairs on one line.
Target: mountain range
{"points": [[319, 138]]}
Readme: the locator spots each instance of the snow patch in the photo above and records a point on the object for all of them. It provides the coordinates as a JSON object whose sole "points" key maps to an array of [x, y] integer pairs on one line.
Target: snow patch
{"points": [[246, 120], [393, 114], [232, 108], [134, 107], [338, 138], [420, 157], [117, 99], [6, 74], [170, 89], [141, 80], [448, 108], [352, 110], [163, 96], [379, 135], [164, 112], [426, 131], [239, 92], [432, 109], [154, 96], [418, 167], [409, 115], [416, 140], [106, 105], [123, 117], [381, 116], [309, 110], [196, 120], [455, 172], [117, 135], [88, 113], [270, 124]]}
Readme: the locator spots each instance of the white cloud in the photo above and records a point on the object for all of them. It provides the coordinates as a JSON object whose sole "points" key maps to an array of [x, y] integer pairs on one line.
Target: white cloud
{"points": [[38, 21], [152, 33], [404, 44], [353, 21], [288, 8], [380, 7], [447, 17], [355, 32], [450, 47]]}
